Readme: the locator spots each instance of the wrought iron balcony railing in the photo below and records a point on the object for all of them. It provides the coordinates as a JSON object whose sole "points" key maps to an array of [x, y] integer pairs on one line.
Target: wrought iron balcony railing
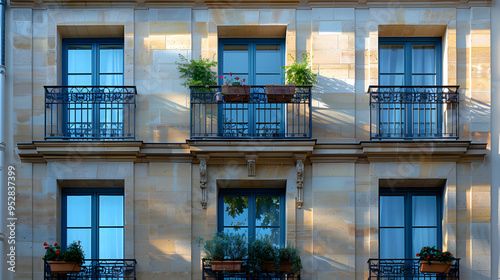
{"points": [[250, 115], [90, 112], [97, 269], [248, 272], [414, 112], [405, 269]]}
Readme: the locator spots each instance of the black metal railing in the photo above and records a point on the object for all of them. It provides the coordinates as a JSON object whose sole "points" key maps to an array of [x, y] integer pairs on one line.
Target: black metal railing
{"points": [[97, 269], [90, 112], [254, 114], [413, 112], [248, 272], [396, 269]]}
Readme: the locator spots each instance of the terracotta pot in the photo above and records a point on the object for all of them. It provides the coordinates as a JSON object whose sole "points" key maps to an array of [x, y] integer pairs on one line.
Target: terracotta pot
{"points": [[236, 94], [64, 267], [280, 93], [270, 266], [229, 266], [435, 267]]}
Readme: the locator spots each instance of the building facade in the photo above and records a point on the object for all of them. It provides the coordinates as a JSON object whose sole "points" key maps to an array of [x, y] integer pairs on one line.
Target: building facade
{"points": [[388, 152]]}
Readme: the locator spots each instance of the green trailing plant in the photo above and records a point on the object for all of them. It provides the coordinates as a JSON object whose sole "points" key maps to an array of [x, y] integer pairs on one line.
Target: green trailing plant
{"points": [[226, 246], [300, 73], [197, 72], [432, 254], [73, 253], [261, 251], [290, 254]]}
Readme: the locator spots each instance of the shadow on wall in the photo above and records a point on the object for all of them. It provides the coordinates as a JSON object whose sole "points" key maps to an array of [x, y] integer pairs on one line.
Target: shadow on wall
{"points": [[331, 85]]}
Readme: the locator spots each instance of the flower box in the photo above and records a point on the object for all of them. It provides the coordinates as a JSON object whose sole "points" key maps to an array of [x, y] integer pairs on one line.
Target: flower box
{"points": [[435, 267], [280, 93], [229, 266], [238, 94], [270, 266], [64, 267]]}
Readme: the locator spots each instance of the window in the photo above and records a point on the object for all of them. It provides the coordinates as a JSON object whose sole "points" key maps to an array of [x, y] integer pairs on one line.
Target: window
{"points": [[409, 220], [93, 62], [253, 212], [259, 62], [94, 216], [410, 62]]}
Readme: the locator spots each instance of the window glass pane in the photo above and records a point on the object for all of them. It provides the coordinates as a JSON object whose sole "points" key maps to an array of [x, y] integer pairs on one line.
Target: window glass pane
{"points": [[268, 59], [268, 79], [111, 243], [240, 79], [80, 59], [83, 235], [240, 230], [111, 58], [79, 80], [424, 80], [272, 233], [235, 59], [424, 210], [423, 237], [111, 80], [391, 80], [392, 211], [235, 211], [267, 211], [392, 243], [111, 210], [424, 59], [78, 211], [391, 59]]}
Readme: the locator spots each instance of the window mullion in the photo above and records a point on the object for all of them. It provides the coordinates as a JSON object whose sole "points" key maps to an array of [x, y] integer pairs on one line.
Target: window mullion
{"points": [[408, 227], [95, 226]]}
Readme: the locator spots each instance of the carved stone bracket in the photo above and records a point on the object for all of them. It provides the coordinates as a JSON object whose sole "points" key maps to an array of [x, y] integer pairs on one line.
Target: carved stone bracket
{"points": [[251, 161], [300, 182], [203, 180]]}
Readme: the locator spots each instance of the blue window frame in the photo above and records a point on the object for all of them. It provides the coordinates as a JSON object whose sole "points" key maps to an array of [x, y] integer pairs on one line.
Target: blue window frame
{"points": [[94, 216], [92, 62], [259, 62], [253, 212], [410, 62], [409, 219]]}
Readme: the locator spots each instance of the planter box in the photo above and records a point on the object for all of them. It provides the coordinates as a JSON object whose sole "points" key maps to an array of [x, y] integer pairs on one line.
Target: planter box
{"points": [[280, 93], [64, 267], [229, 266], [270, 266], [435, 267], [236, 94]]}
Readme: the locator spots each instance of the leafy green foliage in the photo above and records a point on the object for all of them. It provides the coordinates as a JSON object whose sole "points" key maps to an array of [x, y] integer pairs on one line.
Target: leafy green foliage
{"points": [[301, 73], [432, 254], [261, 251], [290, 254], [229, 246], [197, 72], [74, 253]]}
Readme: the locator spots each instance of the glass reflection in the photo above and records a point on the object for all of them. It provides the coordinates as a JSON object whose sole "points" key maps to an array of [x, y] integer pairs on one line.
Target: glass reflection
{"points": [[111, 243], [78, 211], [267, 211], [392, 211], [424, 59], [391, 59], [392, 243], [235, 59], [235, 211], [424, 211], [111, 210]]}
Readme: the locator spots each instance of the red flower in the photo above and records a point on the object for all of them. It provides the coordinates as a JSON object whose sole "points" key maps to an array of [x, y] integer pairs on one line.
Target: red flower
{"points": [[227, 83], [439, 250], [423, 248], [55, 244], [221, 77], [45, 244], [418, 255], [230, 74], [46, 247], [451, 255], [428, 257], [237, 78], [57, 252], [243, 80]]}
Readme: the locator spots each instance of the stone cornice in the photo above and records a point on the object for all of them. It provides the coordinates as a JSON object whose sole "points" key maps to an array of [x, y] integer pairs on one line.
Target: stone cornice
{"points": [[244, 4], [265, 151]]}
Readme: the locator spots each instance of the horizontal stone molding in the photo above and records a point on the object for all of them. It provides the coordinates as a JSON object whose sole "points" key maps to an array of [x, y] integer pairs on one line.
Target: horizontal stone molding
{"points": [[265, 152]]}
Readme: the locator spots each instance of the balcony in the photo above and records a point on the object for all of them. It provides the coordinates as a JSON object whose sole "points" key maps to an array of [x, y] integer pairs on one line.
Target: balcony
{"points": [[395, 269], [413, 112], [97, 269], [90, 112], [247, 273], [253, 115]]}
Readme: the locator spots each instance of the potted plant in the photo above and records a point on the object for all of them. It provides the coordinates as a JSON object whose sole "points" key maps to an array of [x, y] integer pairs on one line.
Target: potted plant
{"points": [[198, 73], [433, 260], [297, 74], [263, 255], [234, 90], [289, 259], [65, 262], [226, 251]]}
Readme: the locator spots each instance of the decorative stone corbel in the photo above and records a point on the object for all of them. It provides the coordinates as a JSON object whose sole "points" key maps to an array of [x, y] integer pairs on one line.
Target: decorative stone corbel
{"points": [[300, 180], [203, 180], [251, 160]]}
